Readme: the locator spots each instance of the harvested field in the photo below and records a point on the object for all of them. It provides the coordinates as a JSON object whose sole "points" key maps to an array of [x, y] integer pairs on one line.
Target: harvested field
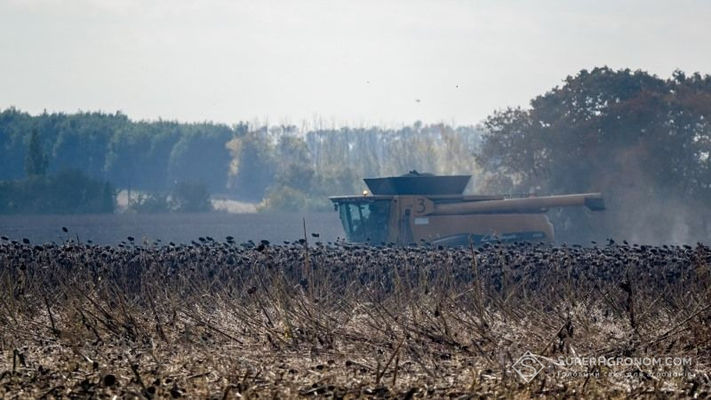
{"points": [[111, 229], [225, 320]]}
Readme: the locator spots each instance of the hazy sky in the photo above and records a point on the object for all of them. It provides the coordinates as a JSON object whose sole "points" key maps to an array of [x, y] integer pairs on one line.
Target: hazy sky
{"points": [[346, 62]]}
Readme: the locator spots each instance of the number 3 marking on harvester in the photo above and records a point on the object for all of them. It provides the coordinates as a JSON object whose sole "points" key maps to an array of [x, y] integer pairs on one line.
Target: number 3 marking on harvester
{"points": [[420, 206]]}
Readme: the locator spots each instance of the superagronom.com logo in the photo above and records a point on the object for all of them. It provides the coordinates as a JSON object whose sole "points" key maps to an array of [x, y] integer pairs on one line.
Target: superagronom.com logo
{"points": [[527, 366]]}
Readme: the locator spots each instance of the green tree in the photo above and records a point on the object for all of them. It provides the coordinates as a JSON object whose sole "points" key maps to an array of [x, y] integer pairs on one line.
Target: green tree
{"points": [[253, 166], [35, 160]]}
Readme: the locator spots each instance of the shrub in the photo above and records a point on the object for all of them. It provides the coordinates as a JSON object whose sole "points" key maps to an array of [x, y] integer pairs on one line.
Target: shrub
{"points": [[190, 197], [150, 203], [69, 192]]}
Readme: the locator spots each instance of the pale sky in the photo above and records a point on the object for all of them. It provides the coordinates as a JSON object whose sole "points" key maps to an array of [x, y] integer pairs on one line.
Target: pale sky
{"points": [[346, 62]]}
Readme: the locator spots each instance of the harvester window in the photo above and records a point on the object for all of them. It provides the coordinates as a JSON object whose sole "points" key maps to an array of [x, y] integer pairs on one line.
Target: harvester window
{"points": [[365, 221]]}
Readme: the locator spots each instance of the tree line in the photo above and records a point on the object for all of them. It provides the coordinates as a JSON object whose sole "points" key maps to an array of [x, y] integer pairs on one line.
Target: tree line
{"points": [[280, 166], [293, 170], [142, 155], [642, 140]]}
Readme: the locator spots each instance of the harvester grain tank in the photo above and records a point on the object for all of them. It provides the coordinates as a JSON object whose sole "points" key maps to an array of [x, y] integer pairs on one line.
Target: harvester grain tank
{"points": [[426, 208]]}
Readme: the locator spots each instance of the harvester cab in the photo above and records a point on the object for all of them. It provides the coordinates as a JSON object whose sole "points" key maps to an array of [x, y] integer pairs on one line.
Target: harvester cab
{"points": [[426, 208]]}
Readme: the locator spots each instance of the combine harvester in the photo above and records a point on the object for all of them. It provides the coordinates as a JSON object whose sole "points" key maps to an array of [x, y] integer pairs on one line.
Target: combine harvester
{"points": [[417, 208]]}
